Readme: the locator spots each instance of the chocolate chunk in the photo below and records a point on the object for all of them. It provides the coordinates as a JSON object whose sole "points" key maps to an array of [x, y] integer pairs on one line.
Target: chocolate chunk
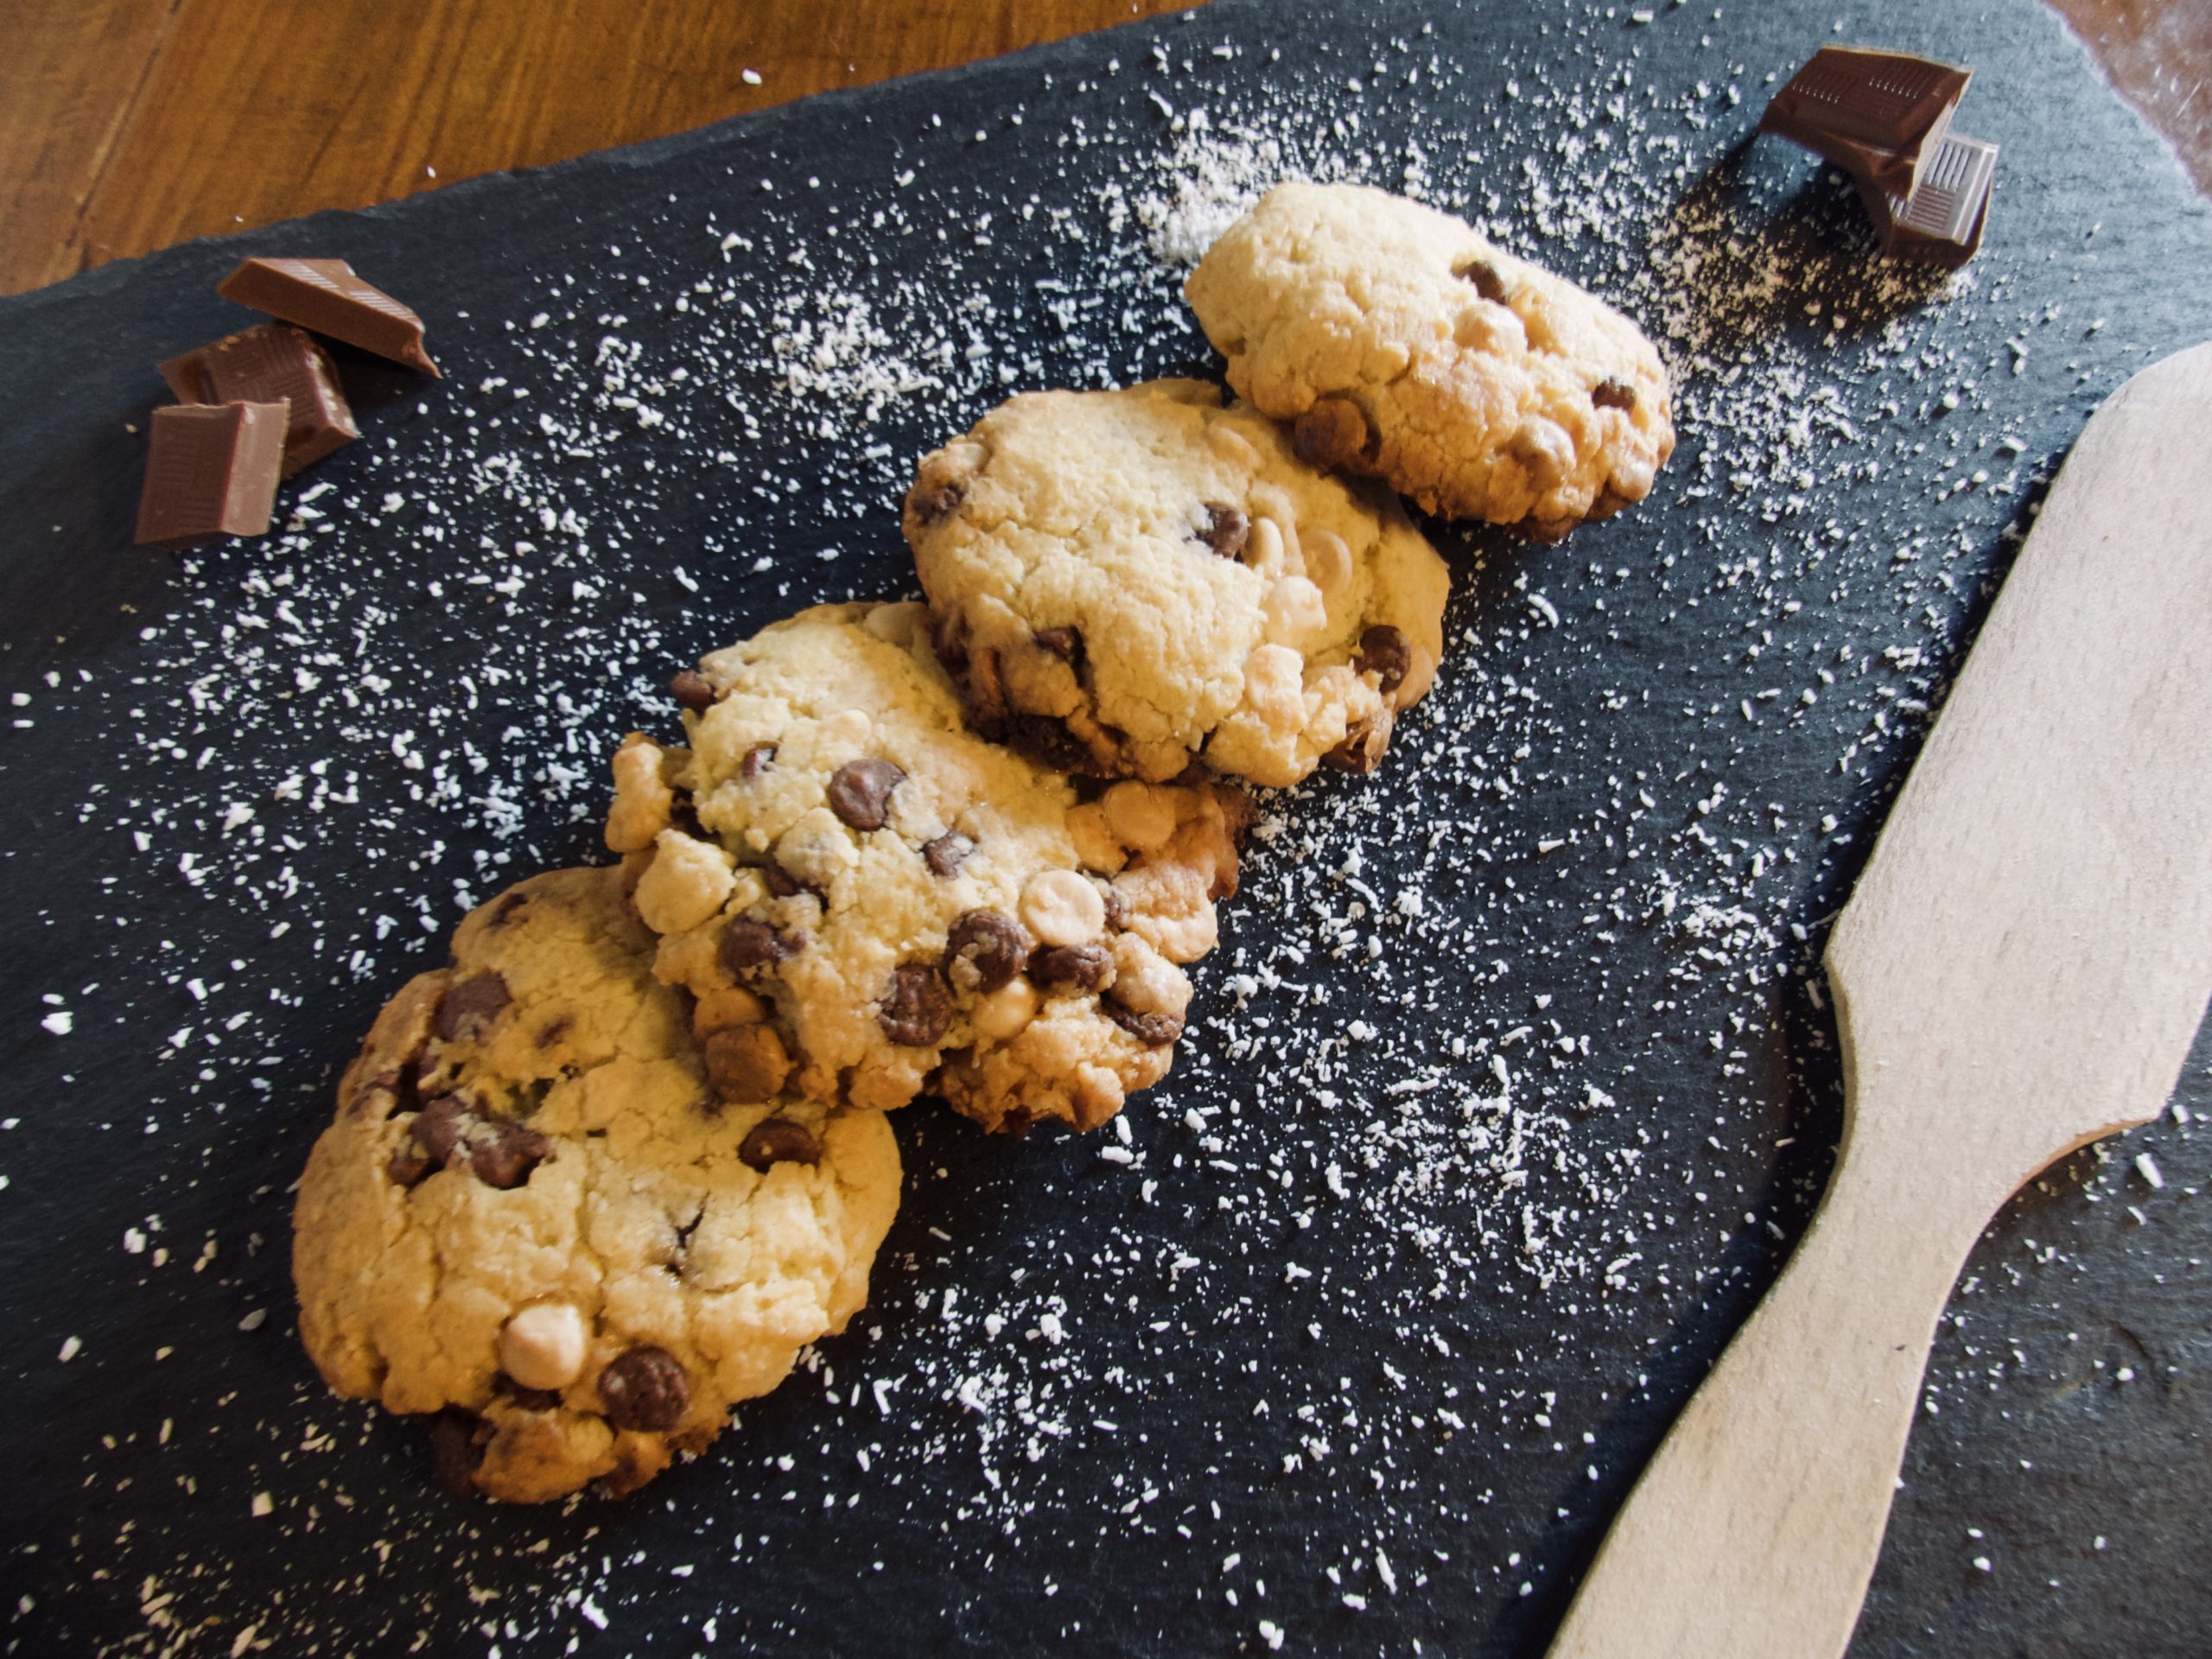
{"points": [[1153, 1030], [437, 1129], [325, 295], [469, 1005], [1942, 220], [271, 363], [1071, 966], [778, 1140], [1227, 530], [692, 690], [1063, 643], [643, 1390], [407, 1166], [748, 947], [745, 1063], [1483, 275], [916, 1008], [860, 792], [457, 1442], [1333, 432], [758, 759], [1614, 394], [211, 471], [984, 950], [929, 506], [1363, 748], [946, 855], [1881, 116], [1384, 653], [503, 1155]]}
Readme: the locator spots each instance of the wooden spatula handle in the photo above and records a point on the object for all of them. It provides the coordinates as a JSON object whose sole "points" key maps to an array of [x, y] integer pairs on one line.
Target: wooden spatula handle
{"points": [[1752, 1534]]}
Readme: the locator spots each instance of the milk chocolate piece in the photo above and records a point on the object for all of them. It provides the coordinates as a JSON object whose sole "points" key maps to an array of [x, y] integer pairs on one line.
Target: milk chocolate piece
{"points": [[1942, 220], [271, 363], [210, 470], [1879, 116], [325, 295]]}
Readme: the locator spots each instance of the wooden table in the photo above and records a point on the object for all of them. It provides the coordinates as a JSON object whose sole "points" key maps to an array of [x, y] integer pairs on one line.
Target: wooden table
{"points": [[126, 125]]}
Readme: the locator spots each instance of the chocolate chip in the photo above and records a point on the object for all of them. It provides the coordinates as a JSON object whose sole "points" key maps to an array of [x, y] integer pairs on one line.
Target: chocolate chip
{"points": [[929, 506], [1153, 1030], [470, 1005], [407, 1166], [1614, 394], [437, 1129], [1485, 277], [503, 1155], [860, 792], [692, 690], [745, 1062], [1383, 652], [1227, 530], [916, 1008], [457, 1440], [643, 1390], [1333, 432], [781, 882], [1063, 643], [983, 950], [1075, 967], [1049, 742], [749, 948], [946, 855], [1362, 749], [758, 759], [778, 1140]]}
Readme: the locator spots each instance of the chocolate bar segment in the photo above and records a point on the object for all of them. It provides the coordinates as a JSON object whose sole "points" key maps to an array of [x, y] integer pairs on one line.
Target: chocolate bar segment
{"points": [[271, 363], [325, 295], [1942, 220], [211, 471], [1878, 115]]}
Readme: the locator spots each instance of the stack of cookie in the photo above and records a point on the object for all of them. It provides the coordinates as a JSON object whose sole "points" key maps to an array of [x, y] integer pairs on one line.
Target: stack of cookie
{"points": [[609, 1172]]}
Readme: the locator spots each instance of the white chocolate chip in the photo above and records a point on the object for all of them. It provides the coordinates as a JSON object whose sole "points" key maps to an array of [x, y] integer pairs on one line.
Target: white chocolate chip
{"points": [[1294, 610], [1263, 548], [1232, 446], [1146, 981], [1275, 686], [1141, 816], [1062, 908], [542, 1347], [1328, 563], [1545, 450], [687, 882], [900, 625], [1006, 1012]]}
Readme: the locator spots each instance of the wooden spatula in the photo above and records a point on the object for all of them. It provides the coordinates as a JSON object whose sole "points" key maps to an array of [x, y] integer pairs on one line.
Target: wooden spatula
{"points": [[2021, 970]]}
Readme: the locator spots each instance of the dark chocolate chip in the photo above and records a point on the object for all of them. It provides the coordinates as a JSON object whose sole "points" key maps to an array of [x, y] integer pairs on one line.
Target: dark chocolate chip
{"points": [[781, 882], [643, 1390], [1362, 749], [745, 1063], [470, 1005], [1227, 530], [1153, 1030], [692, 690], [503, 1155], [750, 948], [1063, 643], [778, 1140], [457, 1439], [1384, 653], [1614, 394], [946, 855], [916, 1008], [1333, 432], [860, 792], [1075, 967], [1485, 277], [984, 950], [758, 759], [929, 506]]}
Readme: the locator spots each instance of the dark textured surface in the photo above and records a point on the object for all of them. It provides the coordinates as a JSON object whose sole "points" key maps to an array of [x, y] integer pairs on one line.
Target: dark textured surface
{"points": [[1647, 933]]}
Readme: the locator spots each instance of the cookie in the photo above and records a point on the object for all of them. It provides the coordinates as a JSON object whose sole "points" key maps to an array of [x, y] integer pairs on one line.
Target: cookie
{"points": [[866, 900], [1403, 346], [532, 1222], [1125, 581]]}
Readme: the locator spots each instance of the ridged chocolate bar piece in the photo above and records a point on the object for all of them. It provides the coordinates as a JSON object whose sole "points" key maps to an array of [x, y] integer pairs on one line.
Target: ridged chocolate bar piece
{"points": [[1942, 220], [325, 295], [271, 363], [211, 471], [1881, 116]]}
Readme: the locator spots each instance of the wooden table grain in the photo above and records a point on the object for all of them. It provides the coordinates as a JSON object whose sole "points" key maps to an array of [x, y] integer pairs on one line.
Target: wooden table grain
{"points": [[126, 125]]}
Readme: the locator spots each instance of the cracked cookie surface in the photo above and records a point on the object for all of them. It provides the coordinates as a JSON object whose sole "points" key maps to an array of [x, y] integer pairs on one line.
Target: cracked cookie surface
{"points": [[868, 900], [1402, 345], [1123, 582], [531, 1220]]}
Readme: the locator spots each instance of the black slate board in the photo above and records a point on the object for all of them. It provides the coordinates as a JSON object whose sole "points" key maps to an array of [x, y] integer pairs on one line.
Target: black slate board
{"points": [[1111, 1461]]}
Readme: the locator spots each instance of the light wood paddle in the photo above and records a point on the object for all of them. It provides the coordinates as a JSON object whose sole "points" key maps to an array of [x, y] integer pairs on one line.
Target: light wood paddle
{"points": [[2021, 970]]}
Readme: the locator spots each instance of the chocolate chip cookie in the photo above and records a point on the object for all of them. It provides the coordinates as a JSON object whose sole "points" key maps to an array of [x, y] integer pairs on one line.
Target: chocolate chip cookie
{"points": [[868, 900], [535, 1223], [1400, 344]]}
